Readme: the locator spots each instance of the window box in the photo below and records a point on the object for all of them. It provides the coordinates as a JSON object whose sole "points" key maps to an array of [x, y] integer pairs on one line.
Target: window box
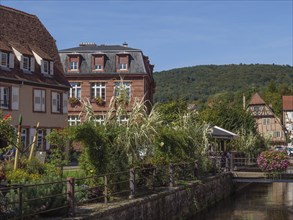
{"points": [[73, 101], [99, 101]]}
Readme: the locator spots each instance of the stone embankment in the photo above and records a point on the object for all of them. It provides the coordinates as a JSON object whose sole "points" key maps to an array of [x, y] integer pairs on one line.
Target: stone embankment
{"points": [[168, 203]]}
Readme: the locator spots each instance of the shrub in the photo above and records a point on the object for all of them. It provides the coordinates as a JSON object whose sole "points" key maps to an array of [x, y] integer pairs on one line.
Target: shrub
{"points": [[273, 161]]}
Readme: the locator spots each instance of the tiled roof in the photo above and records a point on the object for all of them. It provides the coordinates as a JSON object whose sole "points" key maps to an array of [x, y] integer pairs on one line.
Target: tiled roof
{"points": [[25, 31], [5, 46], [256, 100], [287, 102], [40, 53]]}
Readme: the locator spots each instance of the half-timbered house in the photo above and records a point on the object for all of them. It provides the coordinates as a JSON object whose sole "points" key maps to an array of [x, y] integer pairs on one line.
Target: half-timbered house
{"points": [[268, 124]]}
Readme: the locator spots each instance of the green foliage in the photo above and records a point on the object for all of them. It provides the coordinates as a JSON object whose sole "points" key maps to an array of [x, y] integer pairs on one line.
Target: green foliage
{"points": [[228, 117], [171, 111], [200, 82], [7, 133]]}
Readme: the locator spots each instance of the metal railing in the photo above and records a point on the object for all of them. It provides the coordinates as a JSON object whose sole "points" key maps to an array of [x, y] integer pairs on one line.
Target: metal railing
{"points": [[62, 197]]}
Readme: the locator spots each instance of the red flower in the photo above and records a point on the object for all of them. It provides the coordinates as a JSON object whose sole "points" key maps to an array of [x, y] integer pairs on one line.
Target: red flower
{"points": [[7, 116]]}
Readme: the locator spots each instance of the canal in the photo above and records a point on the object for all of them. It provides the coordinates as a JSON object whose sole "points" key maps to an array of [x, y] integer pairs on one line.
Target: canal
{"points": [[258, 201]]}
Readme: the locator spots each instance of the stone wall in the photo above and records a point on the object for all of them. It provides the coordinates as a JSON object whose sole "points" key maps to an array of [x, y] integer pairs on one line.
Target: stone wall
{"points": [[172, 203]]}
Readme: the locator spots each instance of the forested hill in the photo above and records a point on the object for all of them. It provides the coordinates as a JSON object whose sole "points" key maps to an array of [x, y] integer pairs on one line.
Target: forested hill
{"points": [[200, 82]]}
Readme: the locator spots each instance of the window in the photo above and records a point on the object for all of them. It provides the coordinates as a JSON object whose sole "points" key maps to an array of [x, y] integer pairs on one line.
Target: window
{"points": [[56, 102], [4, 97], [46, 66], [73, 120], [122, 62], [98, 62], [123, 89], [26, 61], [41, 139], [123, 119], [100, 119], [73, 63], [4, 59], [23, 138], [265, 121], [276, 134], [75, 90], [122, 66], [39, 100], [98, 90], [256, 108]]}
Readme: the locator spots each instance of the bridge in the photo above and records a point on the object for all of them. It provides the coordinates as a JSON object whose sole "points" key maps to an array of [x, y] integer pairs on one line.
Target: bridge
{"points": [[245, 170]]}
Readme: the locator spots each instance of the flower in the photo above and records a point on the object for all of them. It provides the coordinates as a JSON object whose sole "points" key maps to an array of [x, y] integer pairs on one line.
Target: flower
{"points": [[73, 101], [273, 161]]}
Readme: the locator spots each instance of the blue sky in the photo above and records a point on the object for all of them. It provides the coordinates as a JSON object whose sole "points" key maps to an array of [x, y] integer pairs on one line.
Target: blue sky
{"points": [[174, 33]]}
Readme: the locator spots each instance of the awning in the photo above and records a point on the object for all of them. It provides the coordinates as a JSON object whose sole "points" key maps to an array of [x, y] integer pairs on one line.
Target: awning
{"points": [[221, 133]]}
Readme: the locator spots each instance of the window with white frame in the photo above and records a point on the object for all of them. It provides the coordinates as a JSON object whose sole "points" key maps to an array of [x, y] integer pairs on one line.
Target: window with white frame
{"points": [[56, 102], [100, 119], [26, 63], [73, 120], [4, 97], [123, 87], [4, 59], [23, 138], [39, 100], [73, 65], [266, 121], [46, 66], [75, 90], [98, 90], [122, 66], [41, 139], [123, 119]]}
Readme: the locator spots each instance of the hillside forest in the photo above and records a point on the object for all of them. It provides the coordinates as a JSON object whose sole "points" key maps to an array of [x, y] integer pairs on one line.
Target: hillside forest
{"points": [[206, 84]]}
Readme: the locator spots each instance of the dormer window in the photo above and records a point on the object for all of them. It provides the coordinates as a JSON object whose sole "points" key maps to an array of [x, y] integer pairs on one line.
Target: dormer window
{"points": [[73, 63], [122, 62], [46, 63], [98, 62], [27, 63], [4, 59]]}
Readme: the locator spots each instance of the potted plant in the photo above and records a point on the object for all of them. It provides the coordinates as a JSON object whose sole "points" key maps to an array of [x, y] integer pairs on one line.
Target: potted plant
{"points": [[99, 101], [73, 101]]}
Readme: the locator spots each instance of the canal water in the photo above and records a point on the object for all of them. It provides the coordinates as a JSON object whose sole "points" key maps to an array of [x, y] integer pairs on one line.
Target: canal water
{"points": [[258, 201]]}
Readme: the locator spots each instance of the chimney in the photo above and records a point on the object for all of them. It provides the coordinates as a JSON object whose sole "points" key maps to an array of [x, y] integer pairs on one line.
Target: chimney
{"points": [[86, 44], [125, 44]]}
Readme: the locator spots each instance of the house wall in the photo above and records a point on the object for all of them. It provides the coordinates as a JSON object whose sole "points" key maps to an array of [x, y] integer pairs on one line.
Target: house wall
{"points": [[30, 118], [137, 91]]}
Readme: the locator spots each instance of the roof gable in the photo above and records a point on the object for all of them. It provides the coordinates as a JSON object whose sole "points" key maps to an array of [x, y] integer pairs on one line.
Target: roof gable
{"points": [[256, 100]]}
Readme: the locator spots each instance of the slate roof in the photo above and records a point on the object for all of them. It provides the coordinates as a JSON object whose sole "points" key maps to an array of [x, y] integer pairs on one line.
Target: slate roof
{"points": [[24, 31], [256, 100], [137, 61], [94, 47], [287, 103]]}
